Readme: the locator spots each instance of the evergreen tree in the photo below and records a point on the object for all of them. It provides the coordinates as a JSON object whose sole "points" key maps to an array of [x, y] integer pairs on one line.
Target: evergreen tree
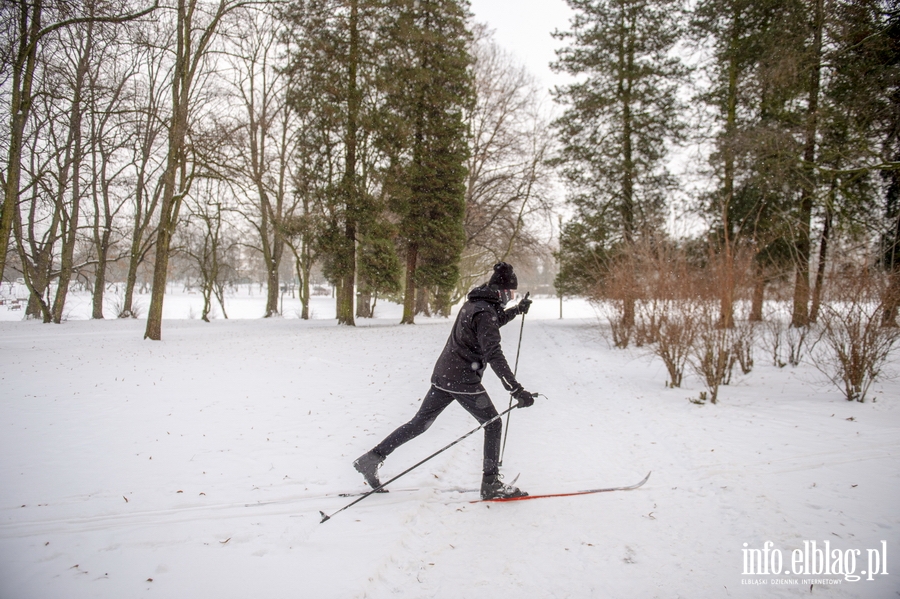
{"points": [[334, 59], [428, 91], [891, 154], [862, 141], [620, 118], [753, 46], [857, 118], [378, 266]]}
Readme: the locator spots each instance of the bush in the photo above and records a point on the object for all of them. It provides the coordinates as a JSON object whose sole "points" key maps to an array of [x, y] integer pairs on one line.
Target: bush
{"points": [[712, 354], [675, 339], [852, 347]]}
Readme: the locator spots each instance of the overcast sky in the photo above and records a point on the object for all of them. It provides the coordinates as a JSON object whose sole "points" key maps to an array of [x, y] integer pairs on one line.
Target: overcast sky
{"points": [[523, 27]]}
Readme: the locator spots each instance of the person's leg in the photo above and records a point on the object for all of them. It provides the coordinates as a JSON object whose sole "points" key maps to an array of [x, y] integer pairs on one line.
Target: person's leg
{"points": [[368, 463], [482, 409], [433, 404], [492, 487]]}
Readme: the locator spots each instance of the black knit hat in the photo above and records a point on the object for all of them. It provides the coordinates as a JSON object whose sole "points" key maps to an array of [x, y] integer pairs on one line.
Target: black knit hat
{"points": [[504, 277]]}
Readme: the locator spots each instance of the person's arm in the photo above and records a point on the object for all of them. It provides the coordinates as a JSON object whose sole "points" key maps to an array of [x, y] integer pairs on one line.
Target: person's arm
{"points": [[520, 308], [508, 315], [487, 329]]}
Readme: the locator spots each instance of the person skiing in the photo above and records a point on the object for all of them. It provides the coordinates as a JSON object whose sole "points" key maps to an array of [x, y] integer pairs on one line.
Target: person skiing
{"points": [[474, 343]]}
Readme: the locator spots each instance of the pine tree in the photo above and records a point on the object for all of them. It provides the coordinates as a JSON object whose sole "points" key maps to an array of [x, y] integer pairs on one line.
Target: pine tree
{"points": [[891, 152], [428, 89], [378, 266], [862, 141], [335, 60], [858, 120], [753, 47], [620, 117]]}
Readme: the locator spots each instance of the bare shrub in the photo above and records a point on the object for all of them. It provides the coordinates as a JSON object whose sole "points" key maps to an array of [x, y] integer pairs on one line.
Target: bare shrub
{"points": [[711, 356], [852, 345], [675, 339], [795, 340], [743, 336], [665, 315], [678, 312], [119, 308], [620, 330], [773, 335], [648, 321], [636, 282], [618, 287]]}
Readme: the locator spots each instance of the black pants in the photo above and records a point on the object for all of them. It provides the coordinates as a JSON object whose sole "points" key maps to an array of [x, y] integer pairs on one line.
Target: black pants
{"points": [[479, 406]]}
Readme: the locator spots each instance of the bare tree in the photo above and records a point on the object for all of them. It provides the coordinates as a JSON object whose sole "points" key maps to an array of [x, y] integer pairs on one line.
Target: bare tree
{"points": [[36, 225], [197, 26], [206, 240], [109, 79], [70, 171], [508, 183], [264, 141], [54, 176], [147, 157], [26, 23]]}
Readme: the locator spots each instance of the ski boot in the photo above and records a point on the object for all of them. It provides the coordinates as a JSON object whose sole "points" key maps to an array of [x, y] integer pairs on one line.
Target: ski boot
{"points": [[367, 465], [493, 488]]}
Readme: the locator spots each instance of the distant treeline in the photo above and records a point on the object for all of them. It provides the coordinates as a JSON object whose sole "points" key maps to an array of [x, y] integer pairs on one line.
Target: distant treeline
{"points": [[392, 148]]}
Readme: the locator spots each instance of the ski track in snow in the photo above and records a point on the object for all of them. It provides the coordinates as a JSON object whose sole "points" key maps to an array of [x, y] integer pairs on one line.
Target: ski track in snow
{"points": [[197, 466]]}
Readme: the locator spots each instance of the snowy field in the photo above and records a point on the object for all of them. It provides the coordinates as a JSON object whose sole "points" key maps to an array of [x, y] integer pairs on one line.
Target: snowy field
{"points": [[197, 466]]}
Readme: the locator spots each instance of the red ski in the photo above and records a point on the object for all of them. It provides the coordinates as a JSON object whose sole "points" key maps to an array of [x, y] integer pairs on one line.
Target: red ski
{"points": [[589, 491]]}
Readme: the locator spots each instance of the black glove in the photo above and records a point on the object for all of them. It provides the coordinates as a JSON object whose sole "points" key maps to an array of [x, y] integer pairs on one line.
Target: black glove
{"points": [[525, 399], [523, 306]]}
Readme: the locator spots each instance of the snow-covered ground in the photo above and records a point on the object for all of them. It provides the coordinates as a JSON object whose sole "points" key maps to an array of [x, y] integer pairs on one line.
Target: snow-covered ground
{"points": [[197, 466]]}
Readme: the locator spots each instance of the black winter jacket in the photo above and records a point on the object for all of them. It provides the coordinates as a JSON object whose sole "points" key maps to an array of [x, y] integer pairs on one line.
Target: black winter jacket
{"points": [[473, 344]]}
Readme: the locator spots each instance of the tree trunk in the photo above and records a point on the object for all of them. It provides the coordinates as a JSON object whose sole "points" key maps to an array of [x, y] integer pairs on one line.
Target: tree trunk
{"points": [[820, 267], [100, 277], [37, 274], [273, 289], [171, 205], [135, 257], [758, 295], [138, 250], [20, 108], [350, 187], [802, 248], [891, 299], [628, 167], [272, 244], [273, 282], [409, 297], [364, 304], [102, 233], [70, 222], [186, 60], [422, 302], [347, 290], [303, 277], [727, 282]]}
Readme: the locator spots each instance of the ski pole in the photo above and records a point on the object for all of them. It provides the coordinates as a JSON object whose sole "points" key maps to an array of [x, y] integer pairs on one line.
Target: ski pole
{"points": [[414, 466], [515, 371]]}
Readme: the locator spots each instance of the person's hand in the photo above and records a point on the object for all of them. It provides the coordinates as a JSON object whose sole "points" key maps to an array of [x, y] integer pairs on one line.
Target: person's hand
{"points": [[524, 398], [524, 305]]}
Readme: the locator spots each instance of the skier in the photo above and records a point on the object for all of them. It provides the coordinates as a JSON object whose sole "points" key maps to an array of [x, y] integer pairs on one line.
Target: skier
{"points": [[473, 344]]}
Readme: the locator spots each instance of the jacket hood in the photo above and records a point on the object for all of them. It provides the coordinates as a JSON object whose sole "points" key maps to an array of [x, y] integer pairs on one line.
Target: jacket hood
{"points": [[484, 293]]}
